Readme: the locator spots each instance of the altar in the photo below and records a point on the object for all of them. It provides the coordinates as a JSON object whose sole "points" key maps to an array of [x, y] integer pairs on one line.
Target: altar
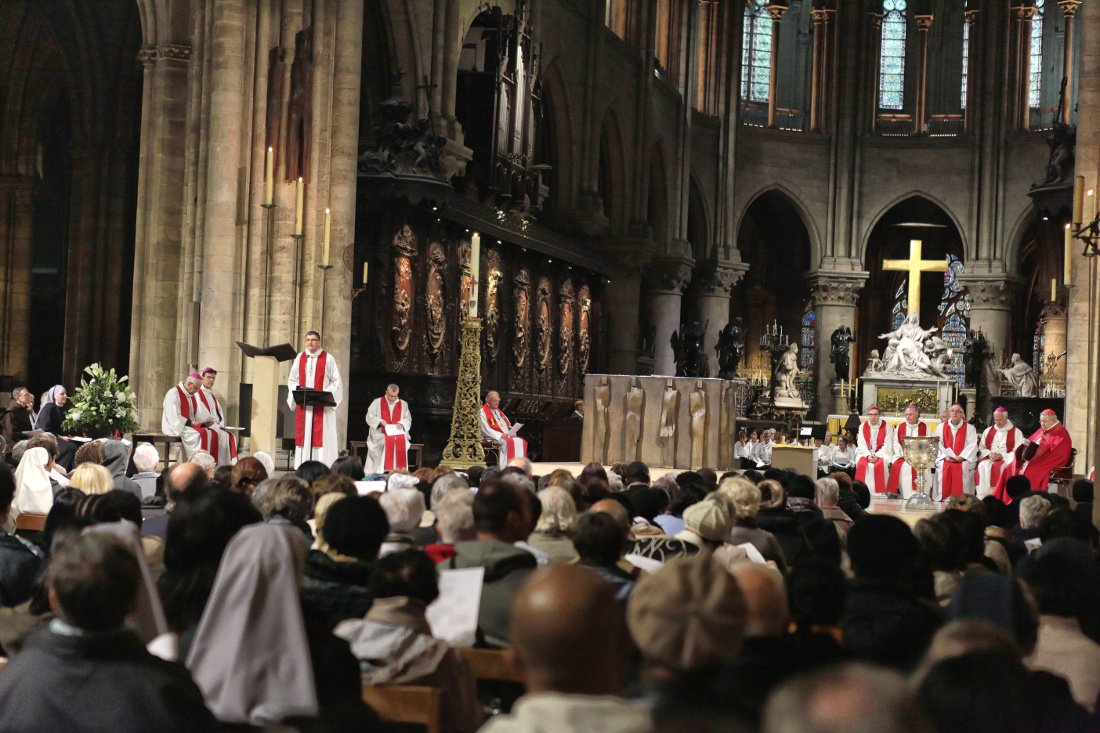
{"points": [[892, 392], [669, 422]]}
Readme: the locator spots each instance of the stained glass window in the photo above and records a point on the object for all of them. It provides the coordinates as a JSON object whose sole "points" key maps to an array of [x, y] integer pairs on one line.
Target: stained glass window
{"points": [[756, 52], [1035, 82], [806, 351], [901, 305], [966, 64], [955, 318], [891, 79]]}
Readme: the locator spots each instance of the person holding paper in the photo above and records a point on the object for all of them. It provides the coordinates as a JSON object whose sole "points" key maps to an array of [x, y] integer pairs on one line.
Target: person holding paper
{"points": [[315, 435], [389, 420], [496, 426], [224, 449], [182, 416]]}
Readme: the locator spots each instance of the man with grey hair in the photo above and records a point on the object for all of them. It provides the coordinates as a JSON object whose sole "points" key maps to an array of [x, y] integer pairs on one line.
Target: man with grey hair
{"points": [[763, 452], [182, 417], [1033, 509], [496, 427], [19, 417], [828, 494], [206, 461], [454, 521], [146, 459], [523, 463], [389, 421], [853, 698]]}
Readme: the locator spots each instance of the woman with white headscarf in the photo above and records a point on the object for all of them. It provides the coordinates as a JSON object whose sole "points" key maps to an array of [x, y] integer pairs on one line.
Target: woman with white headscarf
{"points": [[33, 487], [254, 656], [50, 417]]}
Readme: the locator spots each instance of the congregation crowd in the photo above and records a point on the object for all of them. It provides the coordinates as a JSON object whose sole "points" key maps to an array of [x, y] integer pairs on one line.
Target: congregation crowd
{"points": [[210, 597]]}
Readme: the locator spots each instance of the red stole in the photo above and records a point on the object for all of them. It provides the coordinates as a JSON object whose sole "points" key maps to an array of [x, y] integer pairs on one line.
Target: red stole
{"points": [[188, 408], [318, 436], [218, 411], [513, 447], [895, 472], [879, 465], [394, 452], [996, 466], [951, 474]]}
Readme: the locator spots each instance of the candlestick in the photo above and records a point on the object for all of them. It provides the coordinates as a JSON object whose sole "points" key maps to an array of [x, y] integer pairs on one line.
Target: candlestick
{"points": [[1067, 263], [1078, 199], [365, 265], [299, 205], [269, 177], [325, 237], [475, 274]]}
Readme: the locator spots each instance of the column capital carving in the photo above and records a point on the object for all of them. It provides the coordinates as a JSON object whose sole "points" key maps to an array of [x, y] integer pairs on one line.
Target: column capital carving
{"points": [[147, 56], [822, 15], [721, 279], [837, 288], [776, 11], [633, 255], [1069, 7], [1024, 12], [991, 292], [174, 51], [924, 22], [669, 275], [876, 20]]}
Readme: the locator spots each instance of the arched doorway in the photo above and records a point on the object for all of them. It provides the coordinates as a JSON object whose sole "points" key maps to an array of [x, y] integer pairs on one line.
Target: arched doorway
{"points": [[883, 302]]}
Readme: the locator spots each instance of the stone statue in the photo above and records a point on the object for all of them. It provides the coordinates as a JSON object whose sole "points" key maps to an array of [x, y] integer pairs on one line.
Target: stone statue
{"points": [[688, 350], [697, 402], [874, 362], [603, 425], [785, 375], [635, 399], [1023, 377], [730, 347], [977, 351], [840, 345], [670, 401], [913, 351]]}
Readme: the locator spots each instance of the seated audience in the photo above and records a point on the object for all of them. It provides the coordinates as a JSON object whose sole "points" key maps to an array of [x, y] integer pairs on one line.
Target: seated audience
{"points": [[90, 452], [34, 489], [816, 592], [115, 457], [454, 522], [555, 525], [205, 461], [394, 642], [146, 459], [296, 672], [828, 499], [571, 642], [404, 508], [20, 560], [744, 498], [91, 478], [601, 544], [286, 500], [502, 517], [338, 573], [247, 473], [179, 479], [707, 525], [308, 471], [87, 671]]}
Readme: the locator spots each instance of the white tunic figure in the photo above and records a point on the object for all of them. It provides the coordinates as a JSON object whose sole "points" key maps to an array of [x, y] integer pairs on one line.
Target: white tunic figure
{"points": [[389, 421], [224, 449], [315, 435], [958, 452], [903, 477], [996, 452], [183, 417], [495, 426], [873, 452]]}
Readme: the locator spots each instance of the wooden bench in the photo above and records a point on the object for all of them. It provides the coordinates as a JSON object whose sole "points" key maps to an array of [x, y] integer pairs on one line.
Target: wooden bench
{"points": [[407, 705], [497, 665], [359, 448], [30, 522], [158, 440], [1061, 475]]}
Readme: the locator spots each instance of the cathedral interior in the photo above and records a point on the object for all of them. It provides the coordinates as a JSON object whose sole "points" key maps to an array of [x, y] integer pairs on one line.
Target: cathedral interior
{"points": [[177, 176]]}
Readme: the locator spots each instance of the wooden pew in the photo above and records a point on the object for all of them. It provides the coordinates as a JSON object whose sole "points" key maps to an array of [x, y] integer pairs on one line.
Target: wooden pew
{"points": [[497, 665], [407, 705], [30, 522]]}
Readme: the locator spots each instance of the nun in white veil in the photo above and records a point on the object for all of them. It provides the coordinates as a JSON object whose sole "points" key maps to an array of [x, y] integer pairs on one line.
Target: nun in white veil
{"points": [[33, 488]]}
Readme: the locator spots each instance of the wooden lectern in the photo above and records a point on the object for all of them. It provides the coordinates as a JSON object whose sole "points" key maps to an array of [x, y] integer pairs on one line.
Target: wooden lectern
{"points": [[264, 408]]}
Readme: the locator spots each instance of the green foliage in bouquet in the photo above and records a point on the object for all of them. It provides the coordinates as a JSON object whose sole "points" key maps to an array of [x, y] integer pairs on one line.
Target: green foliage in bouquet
{"points": [[103, 402]]}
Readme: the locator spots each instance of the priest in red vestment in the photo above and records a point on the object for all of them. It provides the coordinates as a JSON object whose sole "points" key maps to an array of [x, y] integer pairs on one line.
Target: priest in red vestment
{"points": [[873, 451], [495, 426], [389, 420], [958, 453], [1052, 449], [996, 452]]}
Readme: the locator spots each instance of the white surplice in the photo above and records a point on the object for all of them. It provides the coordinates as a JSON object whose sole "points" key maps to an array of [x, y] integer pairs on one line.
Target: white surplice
{"points": [[376, 448], [329, 450]]}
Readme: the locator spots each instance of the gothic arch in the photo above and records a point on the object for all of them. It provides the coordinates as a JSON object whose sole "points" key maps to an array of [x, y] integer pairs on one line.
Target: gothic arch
{"points": [[560, 116], [1017, 237], [868, 230], [797, 204], [698, 221], [657, 195], [404, 43]]}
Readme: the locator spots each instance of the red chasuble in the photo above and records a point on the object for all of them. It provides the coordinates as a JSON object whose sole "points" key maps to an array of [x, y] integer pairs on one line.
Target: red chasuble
{"points": [[318, 437], [1055, 448], [395, 456]]}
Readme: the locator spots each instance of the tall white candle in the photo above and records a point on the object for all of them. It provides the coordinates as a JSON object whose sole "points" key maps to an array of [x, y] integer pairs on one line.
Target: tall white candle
{"points": [[326, 236], [475, 274], [299, 204], [269, 177]]}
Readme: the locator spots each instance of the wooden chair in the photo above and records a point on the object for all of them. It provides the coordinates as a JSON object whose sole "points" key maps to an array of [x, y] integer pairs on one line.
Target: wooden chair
{"points": [[1064, 474], [492, 452], [407, 705], [497, 665], [28, 522]]}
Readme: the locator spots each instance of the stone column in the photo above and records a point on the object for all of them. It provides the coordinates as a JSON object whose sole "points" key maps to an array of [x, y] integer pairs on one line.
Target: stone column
{"points": [[1020, 64], [970, 17], [819, 80], [991, 313], [776, 11], [835, 296], [665, 283], [712, 302], [158, 231], [873, 56], [920, 116], [1069, 9], [16, 244], [220, 246], [623, 306]]}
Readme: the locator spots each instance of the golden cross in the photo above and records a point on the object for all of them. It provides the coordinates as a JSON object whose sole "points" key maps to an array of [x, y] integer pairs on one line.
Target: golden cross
{"points": [[914, 266]]}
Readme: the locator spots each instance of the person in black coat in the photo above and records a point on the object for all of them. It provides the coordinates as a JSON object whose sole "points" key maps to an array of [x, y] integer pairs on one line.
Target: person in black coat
{"points": [[87, 671], [20, 561]]}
